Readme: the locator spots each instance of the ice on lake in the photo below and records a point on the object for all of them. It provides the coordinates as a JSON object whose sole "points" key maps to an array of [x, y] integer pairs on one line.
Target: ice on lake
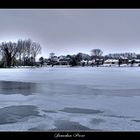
{"points": [[79, 98]]}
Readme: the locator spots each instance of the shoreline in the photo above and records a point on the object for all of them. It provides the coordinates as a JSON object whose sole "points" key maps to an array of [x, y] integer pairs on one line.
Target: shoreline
{"points": [[68, 66]]}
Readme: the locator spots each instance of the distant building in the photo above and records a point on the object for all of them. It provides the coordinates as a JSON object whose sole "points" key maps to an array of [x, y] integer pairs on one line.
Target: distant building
{"points": [[118, 55], [111, 61], [63, 60], [124, 60]]}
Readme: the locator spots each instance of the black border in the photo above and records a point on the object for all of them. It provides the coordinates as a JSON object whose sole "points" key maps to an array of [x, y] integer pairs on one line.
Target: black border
{"points": [[72, 4], [69, 4], [87, 135]]}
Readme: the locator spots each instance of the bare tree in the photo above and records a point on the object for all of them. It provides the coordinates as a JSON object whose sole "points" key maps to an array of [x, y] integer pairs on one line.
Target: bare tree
{"points": [[22, 51], [28, 47], [35, 49], [9, 51], [20, 45], [97, 53], [51, 55], [26, 50]]}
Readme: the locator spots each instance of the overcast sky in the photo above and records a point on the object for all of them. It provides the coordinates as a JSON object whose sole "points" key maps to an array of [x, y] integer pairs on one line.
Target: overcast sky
{"points": [[72, 31]]}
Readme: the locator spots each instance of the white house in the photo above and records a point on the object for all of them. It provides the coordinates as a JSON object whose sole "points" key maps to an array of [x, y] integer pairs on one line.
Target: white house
{"points": [[111, 61]]}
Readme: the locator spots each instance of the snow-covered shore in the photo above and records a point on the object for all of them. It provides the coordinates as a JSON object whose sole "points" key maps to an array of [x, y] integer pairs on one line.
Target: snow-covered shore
{"points": [[67, 66]]}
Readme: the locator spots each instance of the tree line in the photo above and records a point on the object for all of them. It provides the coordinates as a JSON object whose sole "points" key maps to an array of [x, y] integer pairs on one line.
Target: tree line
{"points": [[96, 58], [24, 53], [20, 53]]}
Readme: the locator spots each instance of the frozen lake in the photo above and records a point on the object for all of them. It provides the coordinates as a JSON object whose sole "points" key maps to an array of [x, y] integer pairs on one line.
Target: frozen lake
{"points": [[82, 98]]}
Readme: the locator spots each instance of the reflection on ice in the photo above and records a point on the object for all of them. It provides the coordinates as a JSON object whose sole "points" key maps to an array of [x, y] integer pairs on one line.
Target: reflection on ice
{"points": [[81, 110], [69, 125], [96, 121], [13, 87], [13, 114]]}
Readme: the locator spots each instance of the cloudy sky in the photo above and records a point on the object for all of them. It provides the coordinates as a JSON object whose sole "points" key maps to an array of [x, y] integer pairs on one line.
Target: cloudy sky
{"points": [[68, 31]]}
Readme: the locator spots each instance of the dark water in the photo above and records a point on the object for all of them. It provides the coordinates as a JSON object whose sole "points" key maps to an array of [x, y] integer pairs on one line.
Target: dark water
{"points": [[69, 125], [13, 114], [13, 87], [81, 110]]}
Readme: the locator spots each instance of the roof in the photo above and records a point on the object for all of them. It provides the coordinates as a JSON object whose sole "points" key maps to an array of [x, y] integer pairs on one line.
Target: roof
{"points": [[111, 60]]}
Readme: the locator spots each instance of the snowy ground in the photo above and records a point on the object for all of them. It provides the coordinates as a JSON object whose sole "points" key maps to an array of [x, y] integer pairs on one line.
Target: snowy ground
{"points": [[82, 98]]}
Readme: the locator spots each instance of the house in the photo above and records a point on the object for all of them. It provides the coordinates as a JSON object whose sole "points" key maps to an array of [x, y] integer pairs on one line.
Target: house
{"points": [[63, 60], [83, 62], [96, 62], [111, 61], [137, 60], [124, 60]]}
